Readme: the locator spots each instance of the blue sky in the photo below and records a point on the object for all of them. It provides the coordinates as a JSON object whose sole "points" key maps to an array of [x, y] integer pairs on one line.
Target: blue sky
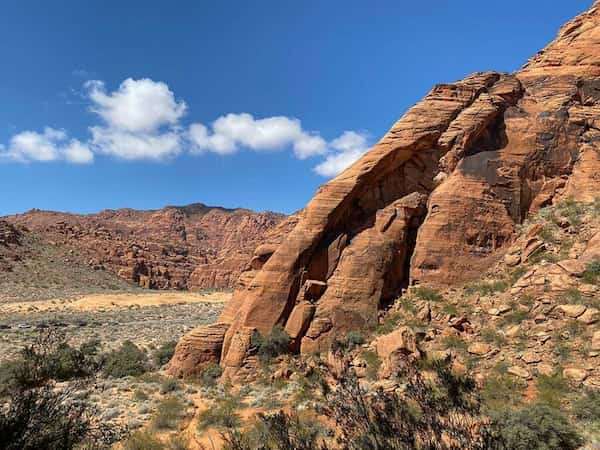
{"points": [[109, 104]]}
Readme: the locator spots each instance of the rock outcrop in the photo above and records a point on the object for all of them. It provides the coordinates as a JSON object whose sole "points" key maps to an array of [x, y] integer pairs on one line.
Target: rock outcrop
{"points": [[189, 247], [197, 350], [437, 200]]}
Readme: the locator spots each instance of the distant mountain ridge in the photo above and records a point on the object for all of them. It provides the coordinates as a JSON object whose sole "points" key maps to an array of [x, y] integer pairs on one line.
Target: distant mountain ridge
{"points": [[177, 247]]}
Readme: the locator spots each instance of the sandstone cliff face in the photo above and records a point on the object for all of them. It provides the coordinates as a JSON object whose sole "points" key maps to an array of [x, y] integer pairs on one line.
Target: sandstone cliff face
{"points": [[436, 200], [190, 247]]}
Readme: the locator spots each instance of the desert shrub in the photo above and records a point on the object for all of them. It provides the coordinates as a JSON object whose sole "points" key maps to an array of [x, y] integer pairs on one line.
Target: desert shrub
{"points": [[373, 363], [500, 390], [455, 342], [271, 345], [140, 395], [491, 336], [572, 210], [276, 431], [142, 440], [163, 354], [42, 418], [535, 427], [169, 413], [517, 273], [309, 386], [515, 317], [169, 385], [49, 357], [450, 309], [587, 406], [178, 442], [592, 272], [427, 294], [223, 414], [391, 320], [209, 376], [487, 287], [418, 419], [36, 413], [349, 342], [127, 360]]}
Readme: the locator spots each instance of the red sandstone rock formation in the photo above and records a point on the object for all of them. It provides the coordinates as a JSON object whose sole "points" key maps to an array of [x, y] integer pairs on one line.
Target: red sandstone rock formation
{"points": [[436, 200], [190, 247]]}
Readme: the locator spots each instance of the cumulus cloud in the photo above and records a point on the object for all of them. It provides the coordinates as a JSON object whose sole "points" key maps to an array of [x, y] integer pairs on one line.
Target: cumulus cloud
{"points": [[141, 120], [231, 132], [136, 146], [50, 145], [137, 105], [345, 150]]}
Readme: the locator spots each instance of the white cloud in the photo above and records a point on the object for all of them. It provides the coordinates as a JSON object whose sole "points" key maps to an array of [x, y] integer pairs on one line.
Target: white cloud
{"points": [[346, 149], [141, 120], [233, 131], [137, 105], [50, 145], [136, 146]]}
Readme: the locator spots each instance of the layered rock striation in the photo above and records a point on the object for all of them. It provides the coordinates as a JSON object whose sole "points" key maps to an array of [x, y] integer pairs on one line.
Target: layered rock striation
{"points": [[436, 201]]}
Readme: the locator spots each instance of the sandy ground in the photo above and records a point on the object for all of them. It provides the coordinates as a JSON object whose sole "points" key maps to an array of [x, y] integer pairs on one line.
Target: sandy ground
{"points": [[109, 302]]}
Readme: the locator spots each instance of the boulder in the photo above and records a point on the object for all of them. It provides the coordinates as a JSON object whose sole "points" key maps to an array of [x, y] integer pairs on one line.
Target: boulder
{"points": [[595, 344], [572, 311], [396, 349], [479, 348], [197, 350], [520, 372], [575, 374], [590, 316], [299, 320]]}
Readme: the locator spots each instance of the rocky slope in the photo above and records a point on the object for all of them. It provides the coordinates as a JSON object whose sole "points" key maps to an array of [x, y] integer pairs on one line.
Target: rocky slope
{"points": [[436, 202], [31, 268], [189, 247]]}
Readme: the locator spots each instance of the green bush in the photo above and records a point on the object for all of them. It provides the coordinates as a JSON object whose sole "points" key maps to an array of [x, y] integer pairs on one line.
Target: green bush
{"points": [[223, 415], [350, 342], [276, 431], [169, 413], [592, 272], [536, 427], [38, 413], [552, 389], [169, 385], [178, 442], [210, 375], [142, 440], [49, 357], [487, 287], [127, 360], [427, 294], [455, 342], [269, 346], [587, 407], [163, 354]]}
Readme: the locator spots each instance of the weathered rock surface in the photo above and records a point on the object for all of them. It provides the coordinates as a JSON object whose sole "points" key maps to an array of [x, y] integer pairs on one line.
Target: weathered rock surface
{"points": [[189, 247], [438, 199], [197, 350], [10, 238]]}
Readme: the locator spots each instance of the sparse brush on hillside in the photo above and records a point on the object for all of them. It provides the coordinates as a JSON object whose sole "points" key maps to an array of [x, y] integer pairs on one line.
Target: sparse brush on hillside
{"points": [[35, 413], [127, 360]]}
